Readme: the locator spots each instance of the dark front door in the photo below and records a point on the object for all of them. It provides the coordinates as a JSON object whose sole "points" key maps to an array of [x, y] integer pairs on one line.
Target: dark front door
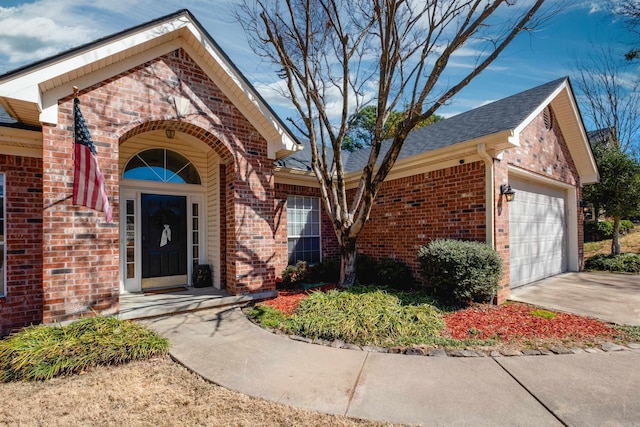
{"points": [[164, 240]]}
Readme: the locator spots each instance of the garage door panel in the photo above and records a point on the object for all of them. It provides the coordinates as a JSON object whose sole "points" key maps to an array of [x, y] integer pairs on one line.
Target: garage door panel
{"points": [[537, 232]]}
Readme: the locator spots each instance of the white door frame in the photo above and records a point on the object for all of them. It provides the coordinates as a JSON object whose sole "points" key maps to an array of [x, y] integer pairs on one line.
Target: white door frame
{"points": [[132, 190]]}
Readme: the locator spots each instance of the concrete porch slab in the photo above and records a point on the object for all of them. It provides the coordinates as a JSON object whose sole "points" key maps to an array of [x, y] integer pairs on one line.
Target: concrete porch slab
{"points": [[141, 306]]}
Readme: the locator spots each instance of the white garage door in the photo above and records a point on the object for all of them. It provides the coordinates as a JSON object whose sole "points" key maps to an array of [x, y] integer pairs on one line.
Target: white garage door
{"points": [[537, 232]]}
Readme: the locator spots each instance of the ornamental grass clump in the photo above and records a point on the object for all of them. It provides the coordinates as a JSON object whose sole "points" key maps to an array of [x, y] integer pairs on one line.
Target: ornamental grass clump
{"points": [[374, 317], [43, 352], [460, 272]]}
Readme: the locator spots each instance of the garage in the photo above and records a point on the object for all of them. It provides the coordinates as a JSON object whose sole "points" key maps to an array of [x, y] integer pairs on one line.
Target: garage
{"points": [[537, 232]]}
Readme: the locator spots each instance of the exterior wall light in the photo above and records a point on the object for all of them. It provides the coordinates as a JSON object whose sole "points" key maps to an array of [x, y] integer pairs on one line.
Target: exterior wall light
{"points": [[508, 192], [170, 133], [586, 209]]}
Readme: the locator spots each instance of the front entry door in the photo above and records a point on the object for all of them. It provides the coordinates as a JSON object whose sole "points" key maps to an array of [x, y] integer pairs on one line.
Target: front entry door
{"points": [[164, 240]]}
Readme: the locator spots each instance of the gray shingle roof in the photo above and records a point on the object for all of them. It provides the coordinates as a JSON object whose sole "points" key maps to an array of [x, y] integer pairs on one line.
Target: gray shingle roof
{"points": [[600, 135], [505, 114]]}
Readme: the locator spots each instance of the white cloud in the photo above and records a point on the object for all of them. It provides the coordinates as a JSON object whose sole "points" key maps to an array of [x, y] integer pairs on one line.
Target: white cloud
{"points": [[36, 30], [595, 7], [30, 32]]}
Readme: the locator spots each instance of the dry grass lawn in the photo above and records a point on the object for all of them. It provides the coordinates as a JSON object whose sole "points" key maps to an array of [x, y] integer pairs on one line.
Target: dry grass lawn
{"points": [[157, 392], [630, 244]]}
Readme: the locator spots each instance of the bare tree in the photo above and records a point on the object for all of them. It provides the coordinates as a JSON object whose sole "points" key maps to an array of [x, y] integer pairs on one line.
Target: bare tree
{"points": [[387, 53], [630, 10], [609, 92], [608, 89]]}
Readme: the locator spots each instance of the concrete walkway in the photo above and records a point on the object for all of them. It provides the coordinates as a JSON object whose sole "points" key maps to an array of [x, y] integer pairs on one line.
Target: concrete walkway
{"points": [[577, 390], [611, 297]]}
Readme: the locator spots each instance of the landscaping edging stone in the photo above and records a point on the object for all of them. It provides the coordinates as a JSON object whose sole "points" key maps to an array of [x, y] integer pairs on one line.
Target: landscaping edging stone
{"points": [[606, 347]]}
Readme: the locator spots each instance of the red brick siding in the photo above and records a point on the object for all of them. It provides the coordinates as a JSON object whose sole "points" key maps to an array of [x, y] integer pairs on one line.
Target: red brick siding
{"points": [[411, 212], [328, 240], [501, 232], [80, 251], [81, 255], [22, 303]]}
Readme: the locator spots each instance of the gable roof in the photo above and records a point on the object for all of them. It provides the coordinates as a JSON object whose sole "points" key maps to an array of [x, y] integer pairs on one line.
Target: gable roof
{"points": [[498, 123], [30, 94]]}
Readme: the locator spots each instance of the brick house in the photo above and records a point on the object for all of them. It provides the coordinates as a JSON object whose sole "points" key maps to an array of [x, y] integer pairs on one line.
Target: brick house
{"points": [[186, 143]]}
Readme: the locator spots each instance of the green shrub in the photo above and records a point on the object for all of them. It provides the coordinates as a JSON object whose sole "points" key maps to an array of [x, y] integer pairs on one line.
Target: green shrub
{"points": [[328, 271], [365, 316], [366, 268], [597, 230], [43, 352], [600, 230], [394, 273], [294, 275], [624, 263], [460, 272]]}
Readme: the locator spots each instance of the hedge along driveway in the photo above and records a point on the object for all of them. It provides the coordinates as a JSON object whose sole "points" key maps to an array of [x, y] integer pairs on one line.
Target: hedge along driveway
{"points": [[610, 297]]}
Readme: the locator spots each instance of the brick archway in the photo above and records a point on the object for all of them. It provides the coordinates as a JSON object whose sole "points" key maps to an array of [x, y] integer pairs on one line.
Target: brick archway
{"points": [[179, 126], [212, 159]]}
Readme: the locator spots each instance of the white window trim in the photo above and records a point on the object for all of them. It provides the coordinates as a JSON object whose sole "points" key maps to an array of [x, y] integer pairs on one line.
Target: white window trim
{"points": [[319, 235]]}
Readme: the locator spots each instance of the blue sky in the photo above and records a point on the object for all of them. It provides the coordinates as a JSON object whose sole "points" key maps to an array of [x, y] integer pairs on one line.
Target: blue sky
{"points": [[32, 30]]}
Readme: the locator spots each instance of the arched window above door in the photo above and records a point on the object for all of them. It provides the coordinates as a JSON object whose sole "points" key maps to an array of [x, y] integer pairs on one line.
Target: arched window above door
{"points": [[162, 165]]}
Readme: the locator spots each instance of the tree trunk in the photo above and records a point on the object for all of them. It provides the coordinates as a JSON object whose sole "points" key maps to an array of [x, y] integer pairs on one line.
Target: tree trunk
{"points": [[615, 241], [347, 262]]}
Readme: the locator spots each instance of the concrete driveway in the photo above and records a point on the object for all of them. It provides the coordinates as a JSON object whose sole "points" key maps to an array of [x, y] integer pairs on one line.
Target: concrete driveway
{"points": [[610, 297]]}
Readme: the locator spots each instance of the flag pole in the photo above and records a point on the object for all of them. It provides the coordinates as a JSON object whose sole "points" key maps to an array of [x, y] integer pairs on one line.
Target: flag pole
{"points": [[75, 91]]}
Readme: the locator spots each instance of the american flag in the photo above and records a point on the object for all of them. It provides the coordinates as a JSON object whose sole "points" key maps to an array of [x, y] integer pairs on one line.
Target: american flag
{"points": [[88, 181]]}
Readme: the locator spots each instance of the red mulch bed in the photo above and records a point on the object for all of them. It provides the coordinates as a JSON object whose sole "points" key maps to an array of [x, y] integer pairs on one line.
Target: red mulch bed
{"points": [[287, 301], [507, 322], [514, 321]]}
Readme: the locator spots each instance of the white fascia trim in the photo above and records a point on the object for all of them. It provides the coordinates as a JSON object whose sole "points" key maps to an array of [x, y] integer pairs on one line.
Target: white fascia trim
{"points": [[278, 138], [593, 177], [50, 98]]}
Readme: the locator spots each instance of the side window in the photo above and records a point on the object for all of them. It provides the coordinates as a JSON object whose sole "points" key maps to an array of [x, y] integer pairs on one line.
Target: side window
{"points": [[303, 229]]}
